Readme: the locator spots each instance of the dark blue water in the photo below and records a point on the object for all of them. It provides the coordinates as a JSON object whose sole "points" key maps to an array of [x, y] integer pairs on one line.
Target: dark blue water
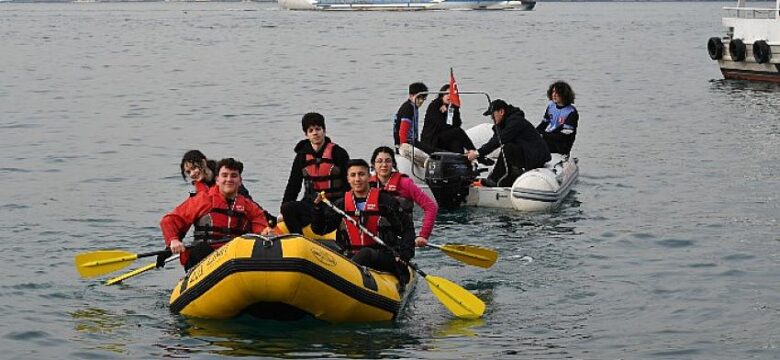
{"points": [[668, 247]]}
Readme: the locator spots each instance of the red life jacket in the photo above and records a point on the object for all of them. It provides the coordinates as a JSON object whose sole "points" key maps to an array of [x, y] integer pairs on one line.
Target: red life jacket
{"points": [[392, 188], [369, 218], [223, 220], [321, 174], [392, 184]]}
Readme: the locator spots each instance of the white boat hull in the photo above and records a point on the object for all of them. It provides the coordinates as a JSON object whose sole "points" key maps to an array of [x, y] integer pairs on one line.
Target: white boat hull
{"points": [[537, 190]]}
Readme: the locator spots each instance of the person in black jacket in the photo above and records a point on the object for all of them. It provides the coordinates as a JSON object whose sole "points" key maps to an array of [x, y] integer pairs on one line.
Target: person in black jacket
{"points": [[319, 165], [376, 210], [437, 133], [522, 148]]}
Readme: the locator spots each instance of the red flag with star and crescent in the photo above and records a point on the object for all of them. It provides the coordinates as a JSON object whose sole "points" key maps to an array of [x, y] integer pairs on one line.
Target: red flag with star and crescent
{"points": [[454, 94]]}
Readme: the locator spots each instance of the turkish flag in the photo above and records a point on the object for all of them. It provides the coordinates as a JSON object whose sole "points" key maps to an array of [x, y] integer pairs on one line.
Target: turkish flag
{"points": [[454, 94]]}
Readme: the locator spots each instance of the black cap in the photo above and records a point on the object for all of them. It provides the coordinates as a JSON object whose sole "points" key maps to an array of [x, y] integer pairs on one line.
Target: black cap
{"points": [[496, 105]]}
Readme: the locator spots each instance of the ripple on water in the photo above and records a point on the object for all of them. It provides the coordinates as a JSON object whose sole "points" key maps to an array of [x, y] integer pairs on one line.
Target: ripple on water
{"points": [[101, 180], [738, 257], [13, 207], [675, 243], [702, 265], [13, 170], [20, 125], [35, 337], [733, 273], [92, 220]]}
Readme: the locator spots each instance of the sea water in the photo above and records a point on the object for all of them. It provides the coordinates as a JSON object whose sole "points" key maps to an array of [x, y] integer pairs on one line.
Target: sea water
{"points": [[667, 248]]}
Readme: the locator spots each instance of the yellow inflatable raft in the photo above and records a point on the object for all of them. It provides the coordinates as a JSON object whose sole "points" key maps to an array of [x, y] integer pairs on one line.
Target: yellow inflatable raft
{"points": [[287, 278]]}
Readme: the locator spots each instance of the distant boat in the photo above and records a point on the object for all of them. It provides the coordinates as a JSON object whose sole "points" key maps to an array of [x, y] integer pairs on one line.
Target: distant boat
{"points": [[751, 48], [400, 5]]}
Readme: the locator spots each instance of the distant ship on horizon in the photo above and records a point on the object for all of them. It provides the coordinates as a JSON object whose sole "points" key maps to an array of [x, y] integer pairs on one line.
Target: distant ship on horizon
{"points": [[409, 5]]}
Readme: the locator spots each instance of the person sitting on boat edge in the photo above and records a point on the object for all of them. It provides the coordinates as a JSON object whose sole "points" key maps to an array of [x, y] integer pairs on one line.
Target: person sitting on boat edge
{"points": [[437, 133], [407, 193], [218, 214], [406, 125], [377, 211], [202, 173], [319, 165], [559, 125], [522, 148]]}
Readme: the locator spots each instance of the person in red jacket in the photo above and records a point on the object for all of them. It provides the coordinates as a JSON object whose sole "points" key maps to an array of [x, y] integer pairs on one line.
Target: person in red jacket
{"points": [[218, 214]]}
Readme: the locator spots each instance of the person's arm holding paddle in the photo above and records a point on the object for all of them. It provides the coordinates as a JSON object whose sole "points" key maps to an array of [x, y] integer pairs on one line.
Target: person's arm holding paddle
{"points": [[179, 221], [430, 209]]}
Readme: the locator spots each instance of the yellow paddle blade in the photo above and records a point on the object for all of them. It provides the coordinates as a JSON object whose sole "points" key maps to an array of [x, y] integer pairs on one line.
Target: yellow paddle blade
{"points": [[130, 274], [472, 255], [97, 263], [458, 300]]}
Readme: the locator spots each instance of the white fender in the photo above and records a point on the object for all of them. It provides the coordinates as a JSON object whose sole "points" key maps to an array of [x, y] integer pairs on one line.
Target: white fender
{"points": [[534, 190]]}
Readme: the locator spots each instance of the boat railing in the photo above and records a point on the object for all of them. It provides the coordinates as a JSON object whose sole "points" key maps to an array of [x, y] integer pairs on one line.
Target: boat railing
{"points": [[752, 13]]}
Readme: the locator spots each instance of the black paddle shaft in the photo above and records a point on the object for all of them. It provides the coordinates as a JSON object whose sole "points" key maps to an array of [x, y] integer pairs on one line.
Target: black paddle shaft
{"points": [[166, 253]]}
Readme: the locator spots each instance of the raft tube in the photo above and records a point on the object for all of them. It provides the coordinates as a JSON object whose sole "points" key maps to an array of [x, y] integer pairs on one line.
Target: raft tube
{"points": [[287, 278]]}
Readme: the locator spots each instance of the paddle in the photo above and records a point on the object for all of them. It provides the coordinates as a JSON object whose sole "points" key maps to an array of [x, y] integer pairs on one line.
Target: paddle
{"points": [[458, 300], [469, 254], [102, 262], [139, 271]]}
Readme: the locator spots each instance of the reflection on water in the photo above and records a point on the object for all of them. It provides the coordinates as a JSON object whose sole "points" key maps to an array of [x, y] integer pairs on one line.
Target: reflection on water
{"points": [[94, 326], [310, 338], [736, 86], [459, 328]]}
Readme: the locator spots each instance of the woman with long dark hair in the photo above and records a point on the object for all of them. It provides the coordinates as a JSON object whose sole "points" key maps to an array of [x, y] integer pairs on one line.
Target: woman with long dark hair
{"points": [[404, 189]]}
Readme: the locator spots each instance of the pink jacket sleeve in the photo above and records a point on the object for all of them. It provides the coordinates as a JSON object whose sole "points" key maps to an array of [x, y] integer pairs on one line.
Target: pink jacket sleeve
{"points": [[408, 189]]}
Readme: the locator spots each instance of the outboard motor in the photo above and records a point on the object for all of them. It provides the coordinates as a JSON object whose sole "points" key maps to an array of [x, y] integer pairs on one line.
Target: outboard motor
{"points": [[449, 175]]}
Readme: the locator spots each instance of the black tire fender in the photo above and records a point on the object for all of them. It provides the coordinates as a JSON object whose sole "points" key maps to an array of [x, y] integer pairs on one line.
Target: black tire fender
{"points": [[762, 52], [715, 48], [737, 50]]}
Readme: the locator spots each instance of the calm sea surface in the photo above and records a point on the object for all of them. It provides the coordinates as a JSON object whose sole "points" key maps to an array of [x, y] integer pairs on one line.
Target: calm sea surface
{"points": [[668, 247]]}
